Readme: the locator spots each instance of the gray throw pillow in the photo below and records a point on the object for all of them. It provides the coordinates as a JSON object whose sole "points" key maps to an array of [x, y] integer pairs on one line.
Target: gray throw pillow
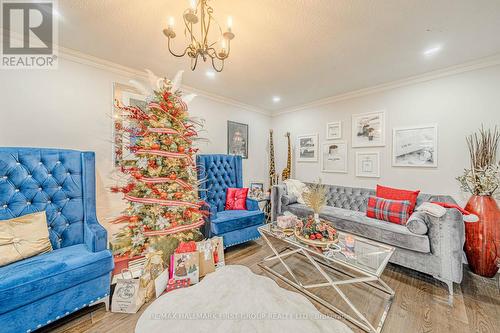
{"points": [[288, 199], [417, 223]]}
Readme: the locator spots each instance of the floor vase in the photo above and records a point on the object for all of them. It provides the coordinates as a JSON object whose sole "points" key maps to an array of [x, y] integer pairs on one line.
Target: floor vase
{"points": [[482, 241]]}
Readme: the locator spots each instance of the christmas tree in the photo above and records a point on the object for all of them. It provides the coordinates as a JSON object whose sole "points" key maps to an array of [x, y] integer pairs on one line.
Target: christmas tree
{"points": [[159, 182]]}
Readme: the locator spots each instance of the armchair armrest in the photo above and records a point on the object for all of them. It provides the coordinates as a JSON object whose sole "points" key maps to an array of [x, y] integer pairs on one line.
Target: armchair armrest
{"points": [[252, 204], [277, 192], [95, 236]]}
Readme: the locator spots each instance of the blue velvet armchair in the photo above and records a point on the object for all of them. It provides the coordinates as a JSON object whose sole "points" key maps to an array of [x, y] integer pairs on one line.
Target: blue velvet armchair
{"points": [[39, 290], [217, 173]]}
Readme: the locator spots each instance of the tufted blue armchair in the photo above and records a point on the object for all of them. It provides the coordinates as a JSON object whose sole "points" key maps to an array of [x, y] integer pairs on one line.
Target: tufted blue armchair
{"points": [[41, 289], [217, 173]]}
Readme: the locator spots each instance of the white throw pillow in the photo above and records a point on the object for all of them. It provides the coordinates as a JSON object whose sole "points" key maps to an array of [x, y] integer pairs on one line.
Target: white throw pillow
{"points": [[297, 188], [431, 209]]}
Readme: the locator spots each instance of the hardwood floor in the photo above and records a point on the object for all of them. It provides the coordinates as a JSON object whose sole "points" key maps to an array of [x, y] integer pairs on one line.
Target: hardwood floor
{"points": [[420, 304]]}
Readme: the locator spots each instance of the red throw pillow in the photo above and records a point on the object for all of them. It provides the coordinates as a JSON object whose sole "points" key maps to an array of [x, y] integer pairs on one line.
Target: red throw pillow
{"points": [[397, 194], [395, 211], [236, 198]]}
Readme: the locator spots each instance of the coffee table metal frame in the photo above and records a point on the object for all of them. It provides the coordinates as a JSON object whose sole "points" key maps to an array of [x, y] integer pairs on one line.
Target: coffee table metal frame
{"points": [[369, 278]]}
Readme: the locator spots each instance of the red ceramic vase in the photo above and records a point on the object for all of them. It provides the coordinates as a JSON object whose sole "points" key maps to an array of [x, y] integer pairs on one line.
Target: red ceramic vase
{"points": [[482, 238]]}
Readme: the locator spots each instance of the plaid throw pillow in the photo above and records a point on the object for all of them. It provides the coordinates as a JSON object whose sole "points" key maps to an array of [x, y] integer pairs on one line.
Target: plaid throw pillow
{"points": [[395, 211]]}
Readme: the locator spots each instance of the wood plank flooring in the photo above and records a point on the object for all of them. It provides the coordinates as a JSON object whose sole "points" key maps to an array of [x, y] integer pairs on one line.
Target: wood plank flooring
{"points": [[420, 304]]}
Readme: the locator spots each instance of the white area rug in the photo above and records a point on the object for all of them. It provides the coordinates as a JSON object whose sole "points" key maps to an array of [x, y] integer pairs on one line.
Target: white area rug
{"points": [[233, 299]]}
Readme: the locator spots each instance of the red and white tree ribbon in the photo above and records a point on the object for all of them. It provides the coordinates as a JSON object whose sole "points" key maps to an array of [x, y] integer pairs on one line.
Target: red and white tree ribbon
{"points": [[170, 203], [174, 230], [164, 153], [160, 180]]}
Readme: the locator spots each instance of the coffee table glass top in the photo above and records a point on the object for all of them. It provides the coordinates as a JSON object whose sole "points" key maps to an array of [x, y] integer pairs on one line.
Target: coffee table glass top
{"points": [[366, 255]]}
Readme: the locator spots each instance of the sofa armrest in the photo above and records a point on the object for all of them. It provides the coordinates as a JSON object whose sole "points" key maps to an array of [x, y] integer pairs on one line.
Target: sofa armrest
{"points": [[252, 204], [95, 236], [277, 191], [447, 238]]}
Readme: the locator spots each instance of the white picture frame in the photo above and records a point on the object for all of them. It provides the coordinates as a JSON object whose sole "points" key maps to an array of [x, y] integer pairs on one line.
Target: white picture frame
{"points": [[334, 130], [368, 129], [415, 146], [307, 148], [334, 157], [368, 164]]}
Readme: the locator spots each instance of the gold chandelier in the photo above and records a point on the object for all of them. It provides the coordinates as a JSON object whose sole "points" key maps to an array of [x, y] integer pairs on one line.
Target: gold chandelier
{"points": [[201, 13]]}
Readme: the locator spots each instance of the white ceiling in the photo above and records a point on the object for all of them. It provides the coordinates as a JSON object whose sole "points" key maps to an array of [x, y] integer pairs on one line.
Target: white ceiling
{"points": [[301, 50]]}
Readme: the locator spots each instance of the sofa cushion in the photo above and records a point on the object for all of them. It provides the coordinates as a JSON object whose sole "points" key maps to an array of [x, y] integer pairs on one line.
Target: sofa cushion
{"points": [[229, 220], [358, 223], [28, 280]]}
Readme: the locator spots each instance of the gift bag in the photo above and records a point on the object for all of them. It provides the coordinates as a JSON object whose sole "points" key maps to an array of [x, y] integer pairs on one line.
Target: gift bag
{"points": [[152, 269], [128, 296], [187, 265], [207, 264]]}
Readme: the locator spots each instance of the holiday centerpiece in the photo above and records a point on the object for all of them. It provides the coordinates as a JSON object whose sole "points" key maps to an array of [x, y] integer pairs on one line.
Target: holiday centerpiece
{"points": [[159, 181], [316, 233], [482, 180], [313, 230]]}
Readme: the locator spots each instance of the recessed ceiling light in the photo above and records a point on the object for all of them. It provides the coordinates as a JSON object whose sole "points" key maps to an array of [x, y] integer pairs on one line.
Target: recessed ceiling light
{"points": [[276, 99], [210, 74], [433, 50]]}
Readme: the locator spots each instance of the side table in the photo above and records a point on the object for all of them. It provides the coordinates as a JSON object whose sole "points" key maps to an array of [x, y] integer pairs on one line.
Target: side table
{"points": [[266, 208]]}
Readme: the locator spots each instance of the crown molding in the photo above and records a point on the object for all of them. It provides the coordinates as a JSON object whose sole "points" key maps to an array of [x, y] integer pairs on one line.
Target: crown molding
{"points": [[433, 75], [99, 63]]}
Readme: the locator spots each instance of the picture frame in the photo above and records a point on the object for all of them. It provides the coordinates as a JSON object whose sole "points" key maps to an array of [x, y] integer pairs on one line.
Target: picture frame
{"points": [[368, 164], [127, 96], [237, 139], [334, 130], [415, 146], [334, 157], [368, 129], [256, 190], [307, 148]]}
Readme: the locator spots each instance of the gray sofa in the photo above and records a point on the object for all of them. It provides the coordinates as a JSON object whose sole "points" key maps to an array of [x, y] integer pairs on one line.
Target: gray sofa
{"points": [[439, 252]]}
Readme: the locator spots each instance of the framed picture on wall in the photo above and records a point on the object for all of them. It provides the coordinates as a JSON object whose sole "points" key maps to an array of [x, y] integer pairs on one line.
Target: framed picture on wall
{"points": [[307, 147], [334, 130], [415, 146], [123, 140], [237, 139], [334, 157], [368, 164], [368, 129]]}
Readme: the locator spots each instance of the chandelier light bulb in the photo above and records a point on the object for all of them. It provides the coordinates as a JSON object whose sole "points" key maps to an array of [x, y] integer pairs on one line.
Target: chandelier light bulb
{"points": [[229, 23], [171, 22], [192, 4]]}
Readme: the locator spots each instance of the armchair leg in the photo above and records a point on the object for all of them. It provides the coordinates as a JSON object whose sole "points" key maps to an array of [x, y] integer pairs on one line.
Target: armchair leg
{"points": [[105, 300]]}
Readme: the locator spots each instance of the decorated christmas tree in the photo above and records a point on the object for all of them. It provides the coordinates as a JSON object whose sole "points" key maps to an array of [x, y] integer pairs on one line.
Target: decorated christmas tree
{"points": [[159, 180]]}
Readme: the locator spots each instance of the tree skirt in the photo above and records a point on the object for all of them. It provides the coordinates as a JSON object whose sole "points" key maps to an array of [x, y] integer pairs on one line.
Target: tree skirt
{"points": [[233, 299]]}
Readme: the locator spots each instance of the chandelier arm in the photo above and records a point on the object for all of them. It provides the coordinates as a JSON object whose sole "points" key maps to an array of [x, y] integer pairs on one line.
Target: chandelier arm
{"points": [[175, 54], [215, 67], [195, 60]]}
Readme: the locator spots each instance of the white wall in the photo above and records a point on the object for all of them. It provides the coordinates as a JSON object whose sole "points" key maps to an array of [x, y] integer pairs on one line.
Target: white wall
{"points": [[71, 108], [459, 104]]}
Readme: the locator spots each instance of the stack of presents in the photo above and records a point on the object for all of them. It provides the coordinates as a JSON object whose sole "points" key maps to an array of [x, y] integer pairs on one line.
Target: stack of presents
{"points": [[147, 277]]}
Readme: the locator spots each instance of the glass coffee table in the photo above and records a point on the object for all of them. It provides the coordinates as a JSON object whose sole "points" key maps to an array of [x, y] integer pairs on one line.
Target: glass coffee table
{"points": [[366, 258]]}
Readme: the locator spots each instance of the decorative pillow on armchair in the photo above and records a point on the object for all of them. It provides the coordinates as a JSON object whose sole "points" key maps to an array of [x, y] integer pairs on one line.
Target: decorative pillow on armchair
{"points": [[395, 211], [23, 237], [236, 198]]}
